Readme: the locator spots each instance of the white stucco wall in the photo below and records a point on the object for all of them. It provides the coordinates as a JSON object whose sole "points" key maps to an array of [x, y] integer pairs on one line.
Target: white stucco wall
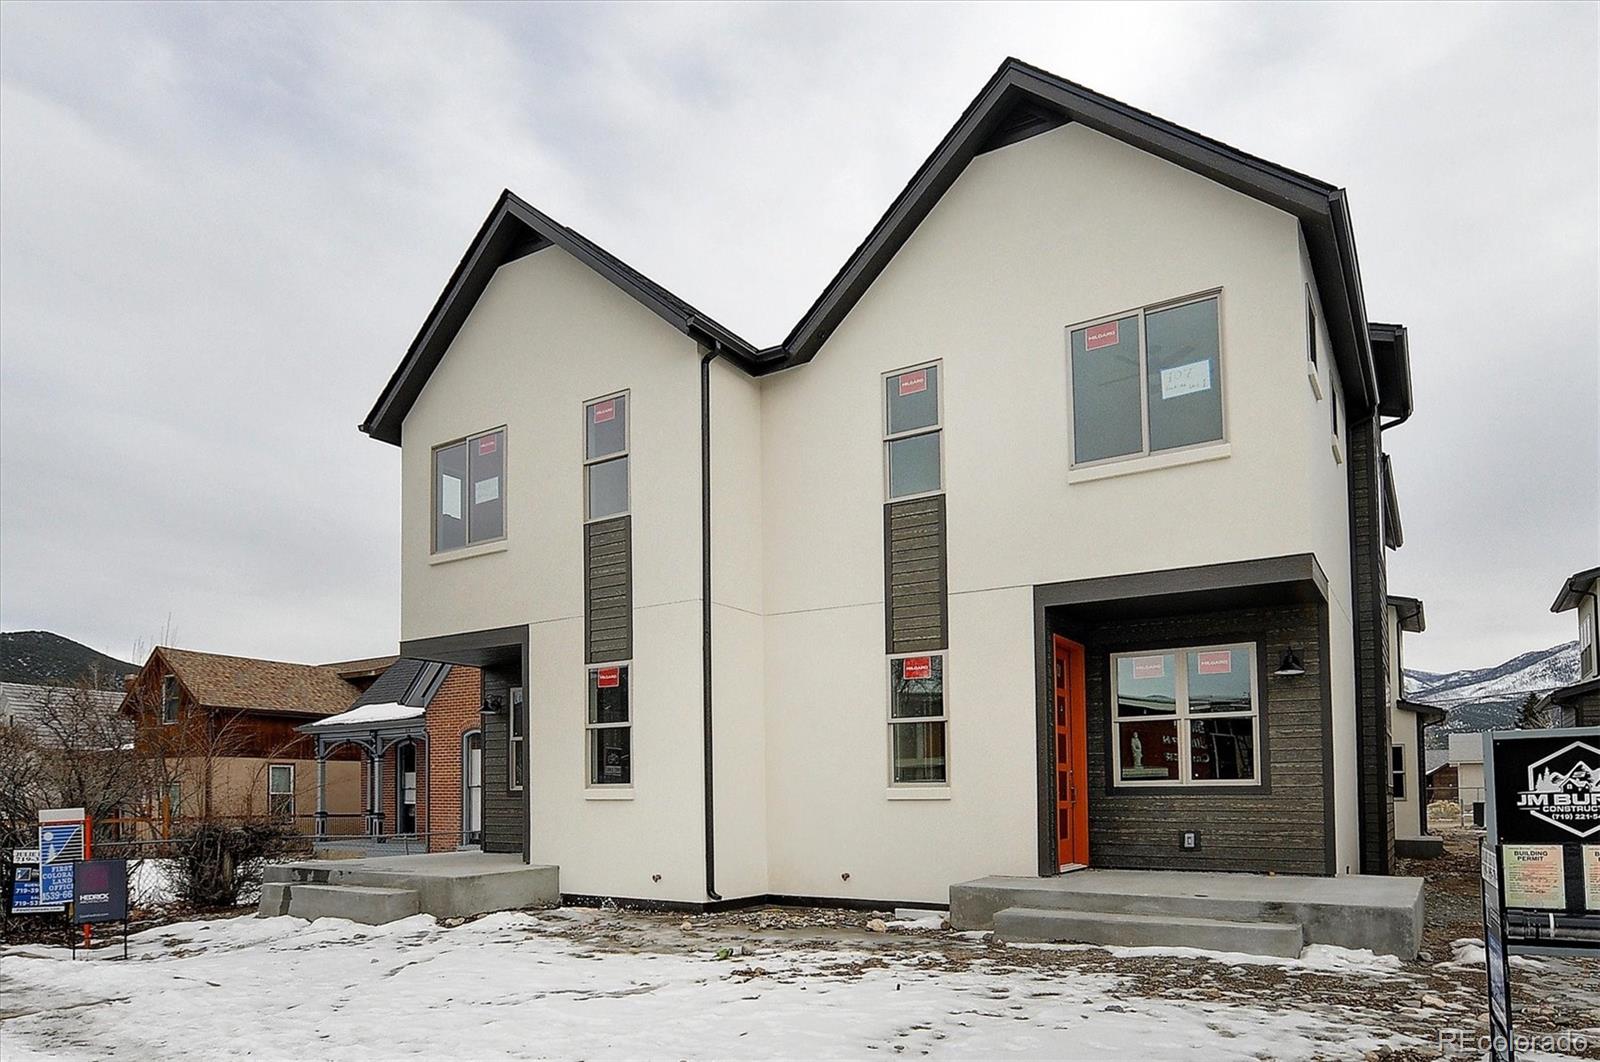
{"points": [[1055, 230]]}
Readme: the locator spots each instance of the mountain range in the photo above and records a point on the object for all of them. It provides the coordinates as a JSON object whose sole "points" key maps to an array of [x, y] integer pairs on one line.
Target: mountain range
{"points": [[1487, 698], [40, 658]]}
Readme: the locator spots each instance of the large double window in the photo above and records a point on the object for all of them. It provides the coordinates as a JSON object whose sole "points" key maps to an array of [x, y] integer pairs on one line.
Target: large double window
{"points": [[917, 719], [605, 458], [1147, 381], [913, 436], [1186, 716], [610, 726], [469, 504]]}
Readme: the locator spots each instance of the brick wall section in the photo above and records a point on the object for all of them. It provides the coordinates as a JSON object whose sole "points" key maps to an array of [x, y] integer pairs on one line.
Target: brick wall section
{"points": [[1372, 646], [453, 712], [1280, 826]]}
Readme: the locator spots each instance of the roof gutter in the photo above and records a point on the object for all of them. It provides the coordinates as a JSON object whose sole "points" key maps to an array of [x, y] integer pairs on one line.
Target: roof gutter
{"points": [[713, 351]]}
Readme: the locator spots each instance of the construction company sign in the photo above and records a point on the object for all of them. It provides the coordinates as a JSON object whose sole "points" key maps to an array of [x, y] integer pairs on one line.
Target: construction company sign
{"points": [[1547, 788]]}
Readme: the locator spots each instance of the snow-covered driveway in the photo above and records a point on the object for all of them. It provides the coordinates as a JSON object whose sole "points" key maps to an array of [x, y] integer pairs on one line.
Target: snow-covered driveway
{"points": [[572, 985]]}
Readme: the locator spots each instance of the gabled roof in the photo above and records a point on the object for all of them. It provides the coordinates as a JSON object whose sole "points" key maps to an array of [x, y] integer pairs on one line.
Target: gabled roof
{"points": [[245, 683], [513, 230], [1019, 101], [1574, 589], [408, 682], [366, 667], [25, 706]]}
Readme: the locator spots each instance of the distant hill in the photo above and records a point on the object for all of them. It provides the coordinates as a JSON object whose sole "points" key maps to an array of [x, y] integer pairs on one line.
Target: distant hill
{"points": [[1488, 698], [43, 659]]}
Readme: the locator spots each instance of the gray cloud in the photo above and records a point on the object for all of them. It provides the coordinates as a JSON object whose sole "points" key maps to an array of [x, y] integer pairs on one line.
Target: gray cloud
{"points": [[223, 224]]}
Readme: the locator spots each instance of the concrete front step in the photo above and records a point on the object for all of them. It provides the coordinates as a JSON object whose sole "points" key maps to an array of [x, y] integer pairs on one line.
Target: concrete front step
{"points": [[359, 903], [1351, 911], [446, 884], [1053, 926]]}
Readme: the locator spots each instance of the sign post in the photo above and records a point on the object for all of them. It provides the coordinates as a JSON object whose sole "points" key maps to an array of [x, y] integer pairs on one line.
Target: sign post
{"points": [[63, 834], [1495, 960]]}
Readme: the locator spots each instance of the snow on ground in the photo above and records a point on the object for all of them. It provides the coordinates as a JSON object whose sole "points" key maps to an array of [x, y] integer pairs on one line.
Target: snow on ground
{"points": [[569, 985]]}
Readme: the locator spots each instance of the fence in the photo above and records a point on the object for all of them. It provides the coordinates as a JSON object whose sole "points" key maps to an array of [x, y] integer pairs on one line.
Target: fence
{"points": [[1463, 812]]}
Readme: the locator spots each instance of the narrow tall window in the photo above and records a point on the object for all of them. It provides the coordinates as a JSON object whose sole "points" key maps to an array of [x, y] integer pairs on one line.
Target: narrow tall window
{"points": [[917, 719], [1397, 771], [169, 699], [280, 791], [1147, 381], [913, 437], [516, 730], [469, 504], [605, 458], [1311, 330], [610, 726], [1185, 716]]}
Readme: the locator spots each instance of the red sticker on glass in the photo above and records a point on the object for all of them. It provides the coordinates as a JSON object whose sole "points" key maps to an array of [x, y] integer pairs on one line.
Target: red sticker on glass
{"points": [[1149, 667], [605, 411], [608, 678], [486, 445], [1217, 663], [913, 382], [916, 667], [1101, 335]]}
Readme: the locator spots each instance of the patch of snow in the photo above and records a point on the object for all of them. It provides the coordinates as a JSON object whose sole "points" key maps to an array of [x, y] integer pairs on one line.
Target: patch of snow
{"points": [[1318, 958], [372, 713], [509, 985], [932, 921]]}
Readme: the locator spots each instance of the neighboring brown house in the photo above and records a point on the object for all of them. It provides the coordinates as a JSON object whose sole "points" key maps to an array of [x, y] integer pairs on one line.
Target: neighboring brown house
{"points": [[421, 720], [222, 730]]}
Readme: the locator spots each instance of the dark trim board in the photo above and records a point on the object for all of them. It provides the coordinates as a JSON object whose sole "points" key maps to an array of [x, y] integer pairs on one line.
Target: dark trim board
{"points": [[843, 903]]}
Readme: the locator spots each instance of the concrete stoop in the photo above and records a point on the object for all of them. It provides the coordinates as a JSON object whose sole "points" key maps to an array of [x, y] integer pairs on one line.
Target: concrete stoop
{"points": [[1043, 926], [1255, 913], [374, 891]]}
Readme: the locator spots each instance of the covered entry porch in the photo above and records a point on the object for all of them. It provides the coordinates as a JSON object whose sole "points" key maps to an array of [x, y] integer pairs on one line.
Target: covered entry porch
{"points": [[375, 729]]}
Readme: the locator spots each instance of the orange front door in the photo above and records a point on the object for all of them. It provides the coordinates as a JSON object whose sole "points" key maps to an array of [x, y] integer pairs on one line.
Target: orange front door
{"points": [[1071, 766]]}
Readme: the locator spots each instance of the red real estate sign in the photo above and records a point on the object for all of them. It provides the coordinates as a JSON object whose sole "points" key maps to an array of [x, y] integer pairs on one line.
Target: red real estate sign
{"points": [[1217, 663], [486, 445], [916, 667], [1101, 335], [605, 411], [913, 382], [1148, 667], [608, 678]]}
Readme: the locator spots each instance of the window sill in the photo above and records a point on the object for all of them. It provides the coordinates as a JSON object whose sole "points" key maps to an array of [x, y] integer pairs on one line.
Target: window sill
{"points": [[482, 549], [1150, 462], [1338, 451], [932, 792], [1316, 381], [620, 793]]}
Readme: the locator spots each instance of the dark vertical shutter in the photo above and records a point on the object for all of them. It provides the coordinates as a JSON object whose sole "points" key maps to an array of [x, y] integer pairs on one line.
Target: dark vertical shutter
{"points": [[608, 590], [916, 584]]}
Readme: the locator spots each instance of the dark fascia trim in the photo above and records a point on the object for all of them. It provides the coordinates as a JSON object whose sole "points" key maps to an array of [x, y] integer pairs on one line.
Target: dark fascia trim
{"points": [[1391, 357], [513, 230], [1294, 568], [1426, 713], [1410, 612], [1394, 532], [1563, 694], [1319, 206], [1575, 589], [843, 903]]}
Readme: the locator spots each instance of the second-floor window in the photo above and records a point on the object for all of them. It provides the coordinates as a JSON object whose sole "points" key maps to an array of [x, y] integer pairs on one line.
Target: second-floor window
{"points": [[1147, 380], [913, 437], [469, 504], [605, 458], [169, 699]]}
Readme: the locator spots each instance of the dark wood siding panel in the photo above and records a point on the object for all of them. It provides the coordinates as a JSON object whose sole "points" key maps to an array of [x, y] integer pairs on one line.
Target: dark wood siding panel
{"points": [[1369, 575], [916, 581], [503, 826], [608, 590], [1279, 825]]}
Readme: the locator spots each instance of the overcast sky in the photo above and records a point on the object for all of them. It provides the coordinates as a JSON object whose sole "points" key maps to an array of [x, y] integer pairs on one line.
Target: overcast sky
{"points": [[220, 227]]}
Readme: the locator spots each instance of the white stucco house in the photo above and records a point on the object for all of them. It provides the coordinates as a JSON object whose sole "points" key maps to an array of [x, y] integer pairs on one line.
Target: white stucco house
{"points": [[1053, 534]]}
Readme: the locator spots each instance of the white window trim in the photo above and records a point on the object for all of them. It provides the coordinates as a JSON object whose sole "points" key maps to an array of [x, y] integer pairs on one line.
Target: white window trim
{"points": [[471, 548], [936, 428], [1209, 447], [604, 790], [516, 744], [177, 700], [917, 790], [1183, 717], [1338, 419], [625, 454], [271, 767], [1314, 345]]}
